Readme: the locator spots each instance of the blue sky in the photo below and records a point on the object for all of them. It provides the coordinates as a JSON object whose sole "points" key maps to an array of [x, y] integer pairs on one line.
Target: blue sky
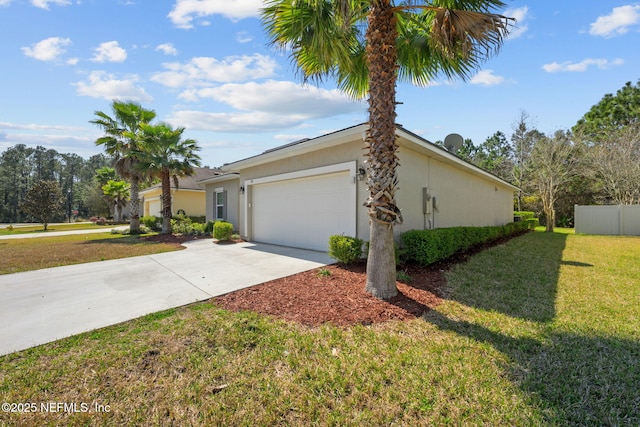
{"points": [[205, 65]]}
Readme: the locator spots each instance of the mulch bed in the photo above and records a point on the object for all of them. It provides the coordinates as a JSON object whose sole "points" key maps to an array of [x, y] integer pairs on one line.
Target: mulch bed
{"points": [[312, 298]]}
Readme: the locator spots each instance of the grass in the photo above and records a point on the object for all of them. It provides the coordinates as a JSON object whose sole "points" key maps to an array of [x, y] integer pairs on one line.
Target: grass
{"points": [[544, 330], [44, 252], [38, 228]]}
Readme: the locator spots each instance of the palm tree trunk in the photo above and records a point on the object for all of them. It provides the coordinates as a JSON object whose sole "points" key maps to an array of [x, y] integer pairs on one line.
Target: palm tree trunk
{"points": [[166, 203], [134, 214], [382, 146]]}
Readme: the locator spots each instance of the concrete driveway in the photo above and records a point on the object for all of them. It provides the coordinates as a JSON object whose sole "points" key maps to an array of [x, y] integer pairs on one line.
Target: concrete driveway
{"points": [[41, 306]]}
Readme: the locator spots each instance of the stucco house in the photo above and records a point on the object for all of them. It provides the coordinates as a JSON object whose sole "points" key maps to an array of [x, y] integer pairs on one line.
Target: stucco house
{"points": [[188, 197], [301, 193]]}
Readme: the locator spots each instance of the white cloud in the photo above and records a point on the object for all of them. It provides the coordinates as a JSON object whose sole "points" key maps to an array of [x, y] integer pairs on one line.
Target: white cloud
{"points": [[254, 121], [282, 97], [167, 49], [44, 4], [109, 52], [48, 49], [486, 78], [204, 70], [5, 2], [581, 66], [617, 22], [33, 126], [520, 14], [107, 86], [243, 37], [184, 11], [265, 107]]}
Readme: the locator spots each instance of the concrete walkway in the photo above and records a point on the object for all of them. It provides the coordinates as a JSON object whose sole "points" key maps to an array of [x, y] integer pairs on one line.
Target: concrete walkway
{"points": [[41, 306], [62, 233]]}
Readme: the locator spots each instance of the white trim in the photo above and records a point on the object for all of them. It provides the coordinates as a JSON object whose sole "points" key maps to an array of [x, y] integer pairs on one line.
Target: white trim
{"points": [[323, 170]]}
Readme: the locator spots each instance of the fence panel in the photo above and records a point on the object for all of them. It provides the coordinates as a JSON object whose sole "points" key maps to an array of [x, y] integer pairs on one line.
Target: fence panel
{"points": [[608, 220]]}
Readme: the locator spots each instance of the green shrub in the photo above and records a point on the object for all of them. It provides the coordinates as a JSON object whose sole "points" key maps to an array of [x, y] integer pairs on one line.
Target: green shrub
{"points": [[151, 222], [222, 230], [430, 246], [208, 227], [345, 249], [524, 214], [533, 223]]}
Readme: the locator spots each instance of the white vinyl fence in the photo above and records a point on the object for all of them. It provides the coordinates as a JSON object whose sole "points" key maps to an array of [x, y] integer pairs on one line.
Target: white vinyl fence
{"points": [[610, 220]]}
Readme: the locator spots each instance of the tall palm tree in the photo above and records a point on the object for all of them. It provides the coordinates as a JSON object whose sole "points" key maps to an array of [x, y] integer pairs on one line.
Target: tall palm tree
{"points": [[367, 45], [166, 155], [121, 141]]}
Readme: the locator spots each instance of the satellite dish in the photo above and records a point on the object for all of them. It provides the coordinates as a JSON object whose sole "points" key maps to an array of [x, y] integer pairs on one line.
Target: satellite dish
{"points": [[453, 142]]}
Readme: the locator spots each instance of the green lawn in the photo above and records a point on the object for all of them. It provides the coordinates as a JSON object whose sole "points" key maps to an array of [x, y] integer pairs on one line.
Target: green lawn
{"points": [[18, 255], [39, 228], [544, 330]]}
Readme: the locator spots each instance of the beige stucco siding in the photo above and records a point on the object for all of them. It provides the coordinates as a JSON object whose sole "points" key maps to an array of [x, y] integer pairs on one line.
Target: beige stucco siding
{"points": [[232, 187], [461, 197], [466, 195], [192, 202]]}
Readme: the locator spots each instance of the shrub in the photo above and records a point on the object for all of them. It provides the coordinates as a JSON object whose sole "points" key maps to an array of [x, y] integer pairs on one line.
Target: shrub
{"points": [[222, 230], [151, 222], [208, 227], [187, 228], [533, 223], [524, 214], [430, 246], [345, 249]]}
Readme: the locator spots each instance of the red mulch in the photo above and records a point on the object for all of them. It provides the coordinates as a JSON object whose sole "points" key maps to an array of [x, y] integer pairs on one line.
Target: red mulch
{"points": [[312, 299]]}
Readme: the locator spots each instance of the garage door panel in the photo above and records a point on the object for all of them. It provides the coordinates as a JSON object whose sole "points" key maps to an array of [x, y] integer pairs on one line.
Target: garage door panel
{"points": [[304, 212]]}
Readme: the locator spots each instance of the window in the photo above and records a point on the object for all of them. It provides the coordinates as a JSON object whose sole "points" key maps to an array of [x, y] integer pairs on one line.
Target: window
{"points": [[220, 208]]}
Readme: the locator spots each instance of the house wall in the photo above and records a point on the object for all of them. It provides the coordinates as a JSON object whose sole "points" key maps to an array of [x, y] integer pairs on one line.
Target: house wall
{"points": [[463, 197], [232, 187], [191, 201]]}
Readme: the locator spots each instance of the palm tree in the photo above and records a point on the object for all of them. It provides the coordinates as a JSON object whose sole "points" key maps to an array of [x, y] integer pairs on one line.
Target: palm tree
{"points": [[117, 193], [166, 155], [127, 118], [367, 45]]}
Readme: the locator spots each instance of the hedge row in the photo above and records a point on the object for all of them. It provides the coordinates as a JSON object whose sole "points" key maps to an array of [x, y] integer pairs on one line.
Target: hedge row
{"points": [[429, 246]]}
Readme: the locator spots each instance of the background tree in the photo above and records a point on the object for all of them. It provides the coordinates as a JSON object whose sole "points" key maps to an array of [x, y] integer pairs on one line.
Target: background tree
{"points": [[615, 164], [367, 46], [610, 114], [117, 192], [122, 142], [496, 156], [167, 156], [44, 202], [553, 165]]}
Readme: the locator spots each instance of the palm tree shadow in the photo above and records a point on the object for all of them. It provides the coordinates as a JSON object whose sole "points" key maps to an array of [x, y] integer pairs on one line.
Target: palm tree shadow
{"points": [[578, 380], [525, 287]]}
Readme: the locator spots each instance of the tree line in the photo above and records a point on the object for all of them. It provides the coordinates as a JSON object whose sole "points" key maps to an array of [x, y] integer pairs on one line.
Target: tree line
{"points": [[597, 161], [21, 167], [37, 184]]}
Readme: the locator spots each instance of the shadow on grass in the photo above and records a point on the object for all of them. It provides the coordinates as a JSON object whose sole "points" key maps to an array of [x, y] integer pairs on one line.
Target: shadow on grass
{"points": [[575, 379], [518, 279]]}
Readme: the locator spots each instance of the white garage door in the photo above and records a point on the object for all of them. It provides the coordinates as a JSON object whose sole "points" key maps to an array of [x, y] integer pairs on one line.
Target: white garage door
{"points": [[304, 212]]}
